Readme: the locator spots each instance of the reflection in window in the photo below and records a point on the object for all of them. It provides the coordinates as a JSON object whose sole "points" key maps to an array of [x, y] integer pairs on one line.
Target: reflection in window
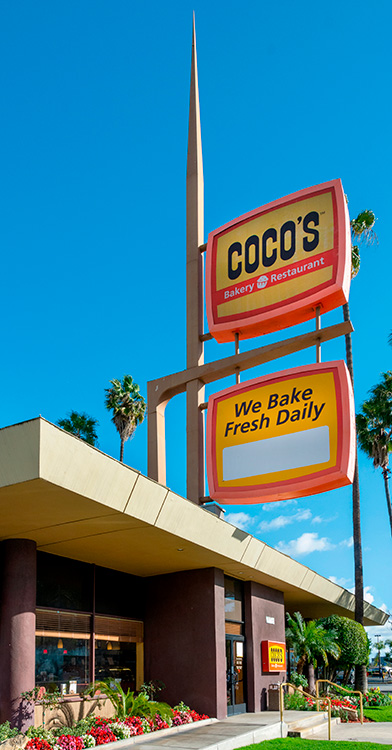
{"points": [[63, 643], [115, 649], [62, 652], [117, 661], [233, 600]]}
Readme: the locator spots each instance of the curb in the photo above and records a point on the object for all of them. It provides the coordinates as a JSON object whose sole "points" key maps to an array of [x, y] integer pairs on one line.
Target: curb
{"points": [[160, 734]]}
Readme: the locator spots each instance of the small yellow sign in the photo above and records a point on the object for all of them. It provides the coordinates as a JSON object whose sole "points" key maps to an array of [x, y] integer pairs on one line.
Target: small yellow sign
{"points": [[273, 656]]}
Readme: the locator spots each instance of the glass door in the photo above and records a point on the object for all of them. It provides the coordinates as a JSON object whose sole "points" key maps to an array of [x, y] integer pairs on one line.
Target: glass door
{"points": [[235, 674]]}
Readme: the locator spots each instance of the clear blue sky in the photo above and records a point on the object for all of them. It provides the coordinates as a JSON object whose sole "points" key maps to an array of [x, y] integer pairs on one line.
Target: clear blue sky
{"points": [[94, 111]]}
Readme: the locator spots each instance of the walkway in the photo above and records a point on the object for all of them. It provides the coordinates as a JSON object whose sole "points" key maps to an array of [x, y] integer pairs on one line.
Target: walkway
{"points": [[246, 729]]}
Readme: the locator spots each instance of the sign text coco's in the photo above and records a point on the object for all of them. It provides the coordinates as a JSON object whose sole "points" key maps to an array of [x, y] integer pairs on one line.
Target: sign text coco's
{"points": [[271, 267]]}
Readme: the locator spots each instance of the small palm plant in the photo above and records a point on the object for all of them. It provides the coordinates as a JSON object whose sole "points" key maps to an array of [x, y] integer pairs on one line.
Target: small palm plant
{"points": [[129, 704], [309, 640], [128, 406]]}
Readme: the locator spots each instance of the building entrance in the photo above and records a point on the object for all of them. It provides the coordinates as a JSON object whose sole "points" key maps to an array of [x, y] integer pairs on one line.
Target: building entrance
{"points": [[235, 674]]}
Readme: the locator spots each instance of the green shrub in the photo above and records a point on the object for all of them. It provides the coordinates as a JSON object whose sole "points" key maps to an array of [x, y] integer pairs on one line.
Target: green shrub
{"points": [[296, 702], [299, 680], [6, 732], [374, 697], [80, 727], [41, 732], [352, 639]]}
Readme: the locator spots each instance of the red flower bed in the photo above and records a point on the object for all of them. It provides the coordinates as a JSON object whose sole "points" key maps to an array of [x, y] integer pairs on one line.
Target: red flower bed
{"points": [[37, 744], [101, 733]]}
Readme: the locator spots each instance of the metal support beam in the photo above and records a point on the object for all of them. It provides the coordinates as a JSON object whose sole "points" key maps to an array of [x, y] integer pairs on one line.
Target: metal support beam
{"points": [[160, 391]]}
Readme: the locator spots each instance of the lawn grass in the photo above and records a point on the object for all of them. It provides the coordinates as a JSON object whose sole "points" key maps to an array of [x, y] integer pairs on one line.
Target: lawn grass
{"points": [[379, 713], [294, 743]]}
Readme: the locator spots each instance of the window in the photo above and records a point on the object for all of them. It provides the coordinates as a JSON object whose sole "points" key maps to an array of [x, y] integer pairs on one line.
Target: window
{"points": [[233, 606], [74, 649], [62, 652], [116, 649]]}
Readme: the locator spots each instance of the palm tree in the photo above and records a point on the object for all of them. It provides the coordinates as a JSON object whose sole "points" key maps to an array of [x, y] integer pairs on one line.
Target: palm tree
{"points": [[81, 425], [310, 641], [374, 431], [128, 406], [361, 231]]}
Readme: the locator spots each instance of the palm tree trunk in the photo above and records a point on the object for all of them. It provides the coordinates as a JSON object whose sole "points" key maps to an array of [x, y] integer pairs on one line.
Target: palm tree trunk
{"points": [[122, 451], [300, 665], [312, 681], [360, 669], [385, 473]]}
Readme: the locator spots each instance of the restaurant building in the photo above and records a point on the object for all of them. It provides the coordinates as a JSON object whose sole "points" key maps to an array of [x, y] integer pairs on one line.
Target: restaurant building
{"points": [[108, 574]]}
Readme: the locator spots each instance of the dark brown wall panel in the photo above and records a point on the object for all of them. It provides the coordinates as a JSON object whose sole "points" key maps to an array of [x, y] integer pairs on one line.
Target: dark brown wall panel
{"points": [[185, 638], [261, 602]]}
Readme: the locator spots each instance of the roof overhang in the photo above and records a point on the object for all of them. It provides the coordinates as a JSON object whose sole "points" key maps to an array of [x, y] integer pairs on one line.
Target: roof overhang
{"points": [[75, 501]]}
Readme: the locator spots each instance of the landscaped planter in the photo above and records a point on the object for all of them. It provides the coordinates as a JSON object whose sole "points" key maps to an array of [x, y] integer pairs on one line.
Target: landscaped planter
{"points": [[151, 736], [71, 709], [97, 730]]}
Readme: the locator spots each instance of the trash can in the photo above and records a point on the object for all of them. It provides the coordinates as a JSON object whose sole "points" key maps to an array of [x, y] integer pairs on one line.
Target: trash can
{"points": [[273, 697]]}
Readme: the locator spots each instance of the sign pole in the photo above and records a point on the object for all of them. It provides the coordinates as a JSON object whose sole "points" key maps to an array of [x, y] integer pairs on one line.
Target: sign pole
{"points": [[195, 289]]}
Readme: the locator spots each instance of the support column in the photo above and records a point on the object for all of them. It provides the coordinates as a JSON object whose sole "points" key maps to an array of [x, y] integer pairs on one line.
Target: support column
{"points": [[17, 630], [261, 602], [184, 629]]}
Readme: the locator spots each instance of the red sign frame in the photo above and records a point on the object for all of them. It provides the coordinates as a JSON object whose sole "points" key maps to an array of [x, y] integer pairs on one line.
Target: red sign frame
{"points": [[287, 305], [338, 469]]}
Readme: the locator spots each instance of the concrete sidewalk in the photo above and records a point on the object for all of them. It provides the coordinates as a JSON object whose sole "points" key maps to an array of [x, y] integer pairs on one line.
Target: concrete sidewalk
{"points": [[228, 734], [247, 729], [372, 731]]}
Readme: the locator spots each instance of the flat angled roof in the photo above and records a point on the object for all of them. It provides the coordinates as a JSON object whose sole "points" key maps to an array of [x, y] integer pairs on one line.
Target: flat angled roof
{"points": [[75, 501]]}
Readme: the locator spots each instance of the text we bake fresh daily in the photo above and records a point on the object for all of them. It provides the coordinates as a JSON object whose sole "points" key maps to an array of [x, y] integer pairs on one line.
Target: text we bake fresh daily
{"points": [[294, 406]]}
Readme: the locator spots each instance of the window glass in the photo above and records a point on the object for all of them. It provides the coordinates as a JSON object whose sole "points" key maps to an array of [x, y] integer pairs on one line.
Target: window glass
{"points": [[233, 600], [62, 653], [115, 649], [118, 594], [63, 583], [63, 642], [116, 660]]}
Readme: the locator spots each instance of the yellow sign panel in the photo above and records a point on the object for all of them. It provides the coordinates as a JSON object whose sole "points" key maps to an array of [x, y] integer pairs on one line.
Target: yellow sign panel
{"points": [[284, 435], [243, 260], [268, 269]]}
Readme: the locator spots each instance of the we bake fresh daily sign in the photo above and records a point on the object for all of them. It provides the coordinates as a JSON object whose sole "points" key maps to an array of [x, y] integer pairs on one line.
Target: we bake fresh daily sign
{"points": [[271, 268], [282, 436]]}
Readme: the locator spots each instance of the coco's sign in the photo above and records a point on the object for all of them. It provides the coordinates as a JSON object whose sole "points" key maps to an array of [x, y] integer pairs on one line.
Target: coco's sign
{"points": [[273, 656], [282, 436], [270, 268]]}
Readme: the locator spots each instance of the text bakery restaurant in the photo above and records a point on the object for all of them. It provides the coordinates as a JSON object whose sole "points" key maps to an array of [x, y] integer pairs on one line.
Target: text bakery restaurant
{"points": [[106, 573]]}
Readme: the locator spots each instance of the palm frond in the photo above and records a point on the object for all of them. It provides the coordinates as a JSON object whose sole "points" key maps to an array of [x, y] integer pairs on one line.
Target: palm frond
{"points": [[81, 425]]}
